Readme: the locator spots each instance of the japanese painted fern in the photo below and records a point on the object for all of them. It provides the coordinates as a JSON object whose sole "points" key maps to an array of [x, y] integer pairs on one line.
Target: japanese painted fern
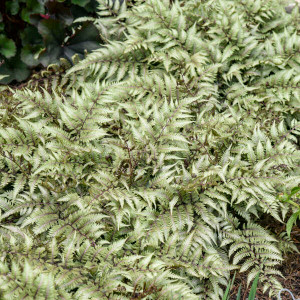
{"points": [[146, 173]]}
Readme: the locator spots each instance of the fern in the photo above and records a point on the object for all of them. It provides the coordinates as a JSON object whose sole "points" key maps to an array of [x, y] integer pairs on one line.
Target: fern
{"points": [[143, 172]]}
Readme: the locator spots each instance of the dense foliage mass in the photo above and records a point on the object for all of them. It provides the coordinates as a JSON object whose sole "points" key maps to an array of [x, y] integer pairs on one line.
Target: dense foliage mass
{"points": [[144, 172], [37, 33]]}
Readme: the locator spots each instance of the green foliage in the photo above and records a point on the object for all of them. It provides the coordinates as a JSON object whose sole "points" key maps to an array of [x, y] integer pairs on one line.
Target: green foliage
{"points": [[295, 192], [37, 33], [238, 297], [8, 48], [145, 171], [253, 288]]}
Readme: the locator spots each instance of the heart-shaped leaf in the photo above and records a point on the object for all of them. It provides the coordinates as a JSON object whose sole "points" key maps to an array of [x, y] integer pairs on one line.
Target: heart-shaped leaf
{"points": [[32, 7], [7, 46], [15, 69], [52, 31], [28, 55], [85, 38], [31, 36]]}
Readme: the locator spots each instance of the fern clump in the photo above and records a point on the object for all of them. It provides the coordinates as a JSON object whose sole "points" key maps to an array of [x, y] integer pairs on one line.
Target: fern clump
{"points": [[145, 174]]}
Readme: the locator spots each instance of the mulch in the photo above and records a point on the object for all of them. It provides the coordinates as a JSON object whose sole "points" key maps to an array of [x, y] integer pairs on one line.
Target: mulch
{"points": [[290, 269]]}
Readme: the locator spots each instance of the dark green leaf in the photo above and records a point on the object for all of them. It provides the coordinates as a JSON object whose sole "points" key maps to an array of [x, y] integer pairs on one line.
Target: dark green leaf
{"points": [[52, 31], [34, 19], [28, 55], [12, 6], [50, 55], [60, 11], [32, 7], [86, 38], [87, 32], [79, 11], [7, 46], [25, 14], [31, 36], [82, 3], [15, 69]]}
